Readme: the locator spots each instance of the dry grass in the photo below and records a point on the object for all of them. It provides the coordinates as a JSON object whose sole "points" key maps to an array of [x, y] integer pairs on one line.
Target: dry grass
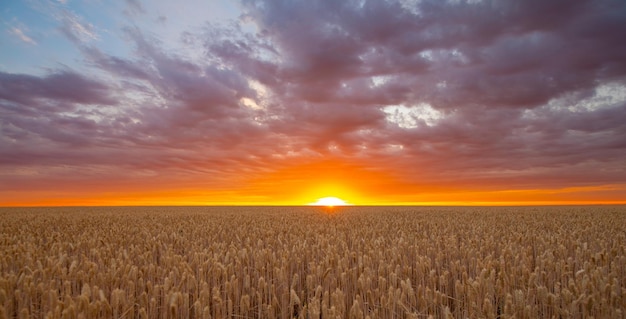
{"points": [[378, 262]]}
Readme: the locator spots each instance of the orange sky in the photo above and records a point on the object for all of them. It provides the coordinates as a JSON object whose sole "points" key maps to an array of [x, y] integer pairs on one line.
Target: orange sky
{"points": [[302, 184]]}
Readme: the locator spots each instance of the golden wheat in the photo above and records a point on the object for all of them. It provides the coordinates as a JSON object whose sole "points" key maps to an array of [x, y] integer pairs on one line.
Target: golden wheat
{"points": [[356, 262]]}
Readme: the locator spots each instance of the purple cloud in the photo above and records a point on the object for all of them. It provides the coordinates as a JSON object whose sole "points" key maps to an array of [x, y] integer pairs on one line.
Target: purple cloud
{"points": [[506, 95]]}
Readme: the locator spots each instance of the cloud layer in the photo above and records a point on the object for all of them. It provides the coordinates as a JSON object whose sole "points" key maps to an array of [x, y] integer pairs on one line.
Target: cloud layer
{"points": [[435, 95]]}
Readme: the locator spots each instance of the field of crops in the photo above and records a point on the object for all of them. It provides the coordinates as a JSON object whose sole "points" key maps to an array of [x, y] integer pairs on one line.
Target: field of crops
{"points": [[307, 262]]}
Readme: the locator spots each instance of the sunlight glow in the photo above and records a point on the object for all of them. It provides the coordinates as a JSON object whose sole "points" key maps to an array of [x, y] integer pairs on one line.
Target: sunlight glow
{"points": [[330, 202]]}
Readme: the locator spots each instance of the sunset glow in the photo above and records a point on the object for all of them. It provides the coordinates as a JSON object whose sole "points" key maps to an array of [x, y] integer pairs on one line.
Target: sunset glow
{"points": [[286, 102], [329, 202]]}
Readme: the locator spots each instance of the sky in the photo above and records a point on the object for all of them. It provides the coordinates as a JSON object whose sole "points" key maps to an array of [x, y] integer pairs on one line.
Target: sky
{"points": [[258, 102]]}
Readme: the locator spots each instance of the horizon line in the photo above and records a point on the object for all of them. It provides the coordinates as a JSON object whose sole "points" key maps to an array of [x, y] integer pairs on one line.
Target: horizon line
{"points": [[476, 204]]}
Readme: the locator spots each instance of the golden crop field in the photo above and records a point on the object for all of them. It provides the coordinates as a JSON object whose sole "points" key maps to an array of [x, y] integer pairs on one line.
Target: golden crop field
{"points": [[304, 262]]}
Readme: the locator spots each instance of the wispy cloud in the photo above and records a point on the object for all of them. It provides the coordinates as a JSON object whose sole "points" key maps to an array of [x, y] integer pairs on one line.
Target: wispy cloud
{"points": [[134, 7], [75, 29], [20, 34]]}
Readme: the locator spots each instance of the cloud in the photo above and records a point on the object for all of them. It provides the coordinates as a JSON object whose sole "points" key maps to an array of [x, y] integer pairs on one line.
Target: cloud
{"points": [[61, 86], [440, 94], [20, 34], [134, 7], [480, 68], [158, 113], [75, 29], [48, 114]]}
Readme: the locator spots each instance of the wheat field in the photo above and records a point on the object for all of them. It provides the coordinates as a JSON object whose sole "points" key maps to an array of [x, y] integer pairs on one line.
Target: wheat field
{"points": [[309, 262]]}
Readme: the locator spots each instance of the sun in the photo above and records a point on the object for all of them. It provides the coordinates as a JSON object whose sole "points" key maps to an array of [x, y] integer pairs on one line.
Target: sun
{"points": [[330, 202]]}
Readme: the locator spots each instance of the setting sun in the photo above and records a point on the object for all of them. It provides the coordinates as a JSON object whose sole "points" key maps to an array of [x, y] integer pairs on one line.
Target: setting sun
{"points": [[330, 201]]}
